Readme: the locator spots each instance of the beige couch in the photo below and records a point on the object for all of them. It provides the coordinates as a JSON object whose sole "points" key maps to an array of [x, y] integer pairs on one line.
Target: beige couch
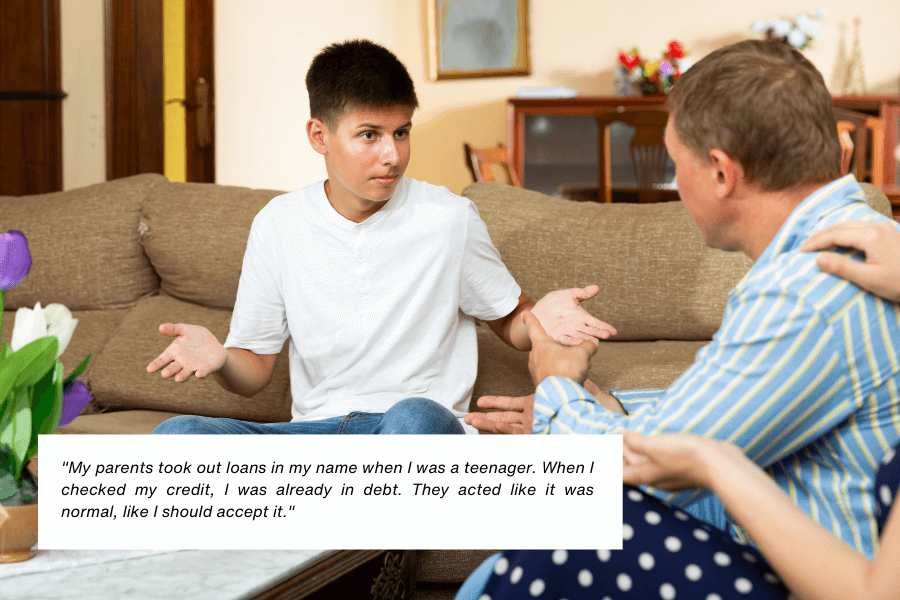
{"points": [[130, 254]]}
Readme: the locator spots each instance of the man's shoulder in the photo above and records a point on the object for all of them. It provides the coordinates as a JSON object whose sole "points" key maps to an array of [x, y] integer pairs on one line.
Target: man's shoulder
{"points": [[281, 207], [421, 191]]}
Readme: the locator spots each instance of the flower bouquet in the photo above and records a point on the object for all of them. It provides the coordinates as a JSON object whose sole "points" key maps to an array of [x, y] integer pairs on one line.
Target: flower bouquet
{"points": [[651, 77], [34, 397], [799, 33]]}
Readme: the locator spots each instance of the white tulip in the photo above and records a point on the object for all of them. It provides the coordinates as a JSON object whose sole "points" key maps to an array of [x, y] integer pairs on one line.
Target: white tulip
{"points": [[30, 325]]}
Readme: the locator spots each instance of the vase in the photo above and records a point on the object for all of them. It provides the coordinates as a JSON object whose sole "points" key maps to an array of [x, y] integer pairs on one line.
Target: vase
{"points": [[18, 533]]}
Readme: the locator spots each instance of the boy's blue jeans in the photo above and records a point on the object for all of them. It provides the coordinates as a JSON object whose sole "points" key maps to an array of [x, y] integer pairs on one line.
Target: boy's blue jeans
{"points": [[410, 416]]}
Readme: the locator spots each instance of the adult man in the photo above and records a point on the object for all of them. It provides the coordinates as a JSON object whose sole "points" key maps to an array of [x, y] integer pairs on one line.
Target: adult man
{"points": [[370, 275], [802, 375]]}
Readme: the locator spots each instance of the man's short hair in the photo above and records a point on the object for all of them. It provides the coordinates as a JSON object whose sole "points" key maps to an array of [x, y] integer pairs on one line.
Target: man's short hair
{"points": [[765, 105], [356, 74]]}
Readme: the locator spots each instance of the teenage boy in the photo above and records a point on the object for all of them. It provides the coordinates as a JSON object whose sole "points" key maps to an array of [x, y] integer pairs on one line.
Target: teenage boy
{"points": [[803, 374], [374, 277]]}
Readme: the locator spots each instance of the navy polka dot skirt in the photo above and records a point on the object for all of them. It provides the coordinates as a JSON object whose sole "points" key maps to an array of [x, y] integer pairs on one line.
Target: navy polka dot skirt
{"points": [[666, 554]]}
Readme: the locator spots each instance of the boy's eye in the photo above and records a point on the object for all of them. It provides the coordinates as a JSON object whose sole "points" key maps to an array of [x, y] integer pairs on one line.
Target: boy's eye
{"points": [[368, 135], [401, 133]]}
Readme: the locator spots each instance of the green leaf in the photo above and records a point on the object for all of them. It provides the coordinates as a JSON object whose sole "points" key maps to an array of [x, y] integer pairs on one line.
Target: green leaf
{"points": [[5, 350], [9, 486], [15, 427], [46, 406], [78, 370], [35, 359]]}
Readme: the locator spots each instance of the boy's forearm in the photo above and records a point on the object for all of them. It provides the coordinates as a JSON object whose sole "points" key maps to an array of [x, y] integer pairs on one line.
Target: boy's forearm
{"points": [[511, 328], [244, 372]]}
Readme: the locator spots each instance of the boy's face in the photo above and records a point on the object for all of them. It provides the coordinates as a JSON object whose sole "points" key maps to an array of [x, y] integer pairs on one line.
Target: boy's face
{"points": [[366, 155]]}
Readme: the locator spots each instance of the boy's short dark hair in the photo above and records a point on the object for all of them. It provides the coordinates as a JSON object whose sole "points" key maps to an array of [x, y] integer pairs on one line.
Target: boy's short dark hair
{"points": [[765, 105], [356, 74]]}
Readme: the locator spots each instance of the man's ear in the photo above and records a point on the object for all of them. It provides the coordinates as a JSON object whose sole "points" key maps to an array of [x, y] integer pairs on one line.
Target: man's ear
{"points": [[317, 132], [728, 172]]}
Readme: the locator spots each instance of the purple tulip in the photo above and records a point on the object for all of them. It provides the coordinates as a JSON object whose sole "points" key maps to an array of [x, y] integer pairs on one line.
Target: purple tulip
{"points": [[15, 259], [75, 398]]}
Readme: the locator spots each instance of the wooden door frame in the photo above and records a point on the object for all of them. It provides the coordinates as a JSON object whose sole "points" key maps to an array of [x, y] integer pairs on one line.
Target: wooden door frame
{"points": [[135, 138]]}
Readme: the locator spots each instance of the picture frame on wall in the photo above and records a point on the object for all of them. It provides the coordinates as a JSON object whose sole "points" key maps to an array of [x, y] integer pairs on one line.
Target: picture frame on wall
{"points": [[477, 38]]}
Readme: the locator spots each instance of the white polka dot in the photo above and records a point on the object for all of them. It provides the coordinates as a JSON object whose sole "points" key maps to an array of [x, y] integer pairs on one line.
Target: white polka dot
{"points": [[635, 495], [585, 578], [885, 493], [681, 516], [603, 555], [624, 582], [771, 578], [652, 517], [743, 585], [627, 532], [701, 535], [536, 588], [888, 456], [667, 591], [501, 566], [722, 559], [560, 557], [673, 544], [714, 597], [484, 597], [749, 557], [646, 561], [516, 575], [693, 572]]}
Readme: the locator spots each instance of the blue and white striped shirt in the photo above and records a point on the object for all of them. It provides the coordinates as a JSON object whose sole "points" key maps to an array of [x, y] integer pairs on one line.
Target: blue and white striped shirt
{"points": [[802, 375]]}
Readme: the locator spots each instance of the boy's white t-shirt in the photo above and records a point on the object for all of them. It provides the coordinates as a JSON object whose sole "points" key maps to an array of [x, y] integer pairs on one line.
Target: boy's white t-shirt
{"points": [[376, 311]]}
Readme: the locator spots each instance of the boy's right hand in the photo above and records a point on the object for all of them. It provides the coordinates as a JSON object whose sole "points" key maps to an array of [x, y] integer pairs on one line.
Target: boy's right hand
{"points": [[194, 351]]}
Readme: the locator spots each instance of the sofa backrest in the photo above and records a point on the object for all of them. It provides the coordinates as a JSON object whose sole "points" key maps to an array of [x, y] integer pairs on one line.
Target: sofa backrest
{"points": [[195, 235], [85, 245], [658, 279]]}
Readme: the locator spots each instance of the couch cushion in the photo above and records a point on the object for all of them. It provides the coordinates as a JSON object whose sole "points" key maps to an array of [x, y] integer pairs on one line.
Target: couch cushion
{"points": [[120, 379], [503, 371], [119, 422], [94, 329], [195, 236], [85, 245], [658, 279]]}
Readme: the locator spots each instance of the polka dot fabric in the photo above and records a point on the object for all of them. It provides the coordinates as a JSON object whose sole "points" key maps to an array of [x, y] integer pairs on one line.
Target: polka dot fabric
{"points": [[887, 485], [666, 554]]}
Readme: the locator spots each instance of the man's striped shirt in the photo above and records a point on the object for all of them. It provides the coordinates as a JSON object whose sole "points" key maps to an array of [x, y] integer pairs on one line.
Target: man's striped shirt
{"points": [[802, 375]]}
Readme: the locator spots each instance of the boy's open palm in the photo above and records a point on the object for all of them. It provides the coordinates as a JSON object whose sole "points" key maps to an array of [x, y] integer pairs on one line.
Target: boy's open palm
{"points": [[194, 351]]}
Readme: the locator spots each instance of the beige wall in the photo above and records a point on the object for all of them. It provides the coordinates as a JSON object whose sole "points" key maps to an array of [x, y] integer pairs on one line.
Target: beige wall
{"points": [[84, 115], [263, 49]]}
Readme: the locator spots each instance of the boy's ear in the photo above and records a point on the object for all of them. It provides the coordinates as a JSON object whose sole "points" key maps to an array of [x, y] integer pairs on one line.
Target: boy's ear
{"points": [[317, 132]]}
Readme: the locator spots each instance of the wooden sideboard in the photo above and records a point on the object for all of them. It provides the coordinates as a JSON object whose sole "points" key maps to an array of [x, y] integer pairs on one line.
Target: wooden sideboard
{"points": [[553, 141]]}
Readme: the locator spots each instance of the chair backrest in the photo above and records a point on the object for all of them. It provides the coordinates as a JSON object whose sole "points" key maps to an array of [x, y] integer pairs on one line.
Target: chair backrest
{"points": [[480, 161], [866, 147], [648, 150]]}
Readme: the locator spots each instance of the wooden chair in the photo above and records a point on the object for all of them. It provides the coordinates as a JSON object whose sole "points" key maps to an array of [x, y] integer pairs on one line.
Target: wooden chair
{"points": [[648, 152], [481, 160], [862, 145]]}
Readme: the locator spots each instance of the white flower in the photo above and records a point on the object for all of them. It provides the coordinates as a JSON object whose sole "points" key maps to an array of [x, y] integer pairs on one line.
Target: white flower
{"points": [[820, 13], [759, 26], [796, 38], [816, 32], [685, 63], [780, 27], [804, 22], [30, 325]]}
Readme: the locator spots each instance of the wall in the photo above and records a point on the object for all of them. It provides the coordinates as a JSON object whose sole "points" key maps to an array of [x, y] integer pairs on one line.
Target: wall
{"points": [[84, 113], [263, 49]]}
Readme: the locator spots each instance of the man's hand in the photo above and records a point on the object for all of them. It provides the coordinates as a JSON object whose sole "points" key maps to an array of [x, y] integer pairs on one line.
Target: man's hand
{"points": [[880, 273], [564, 320], [517, 415], [550, 358], [194, 351]]}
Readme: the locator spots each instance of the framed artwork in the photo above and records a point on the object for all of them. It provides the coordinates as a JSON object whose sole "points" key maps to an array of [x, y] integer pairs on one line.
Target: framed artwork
{"points": [[477, 38]]}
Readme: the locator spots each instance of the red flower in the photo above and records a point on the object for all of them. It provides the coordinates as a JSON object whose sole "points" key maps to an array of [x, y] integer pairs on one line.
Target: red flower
{"points": [[676, 50], [630, 60]]}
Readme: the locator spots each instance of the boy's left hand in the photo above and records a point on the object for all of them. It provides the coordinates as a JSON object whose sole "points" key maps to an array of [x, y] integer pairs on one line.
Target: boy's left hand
{"points": [[562, 317]]}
